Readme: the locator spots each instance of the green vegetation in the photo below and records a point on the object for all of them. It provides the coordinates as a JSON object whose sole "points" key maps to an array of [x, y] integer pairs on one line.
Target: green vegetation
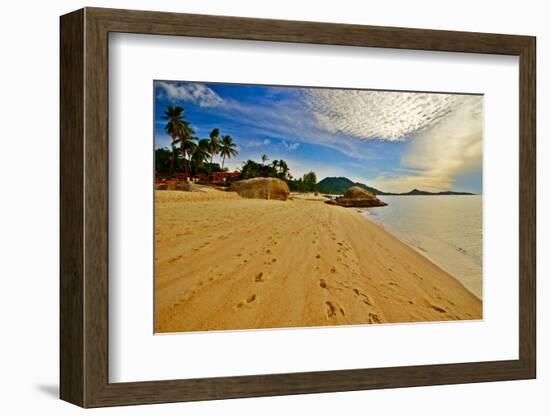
{"points": [[214, 145], [227, 148], [279, 169], [175, 127], [163, 158], [252, 169], [332, 185], [307, 183], [190, 154], [164, 161]]}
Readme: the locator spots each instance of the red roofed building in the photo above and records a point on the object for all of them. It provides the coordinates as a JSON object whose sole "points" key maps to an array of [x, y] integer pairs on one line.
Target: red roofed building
{"points": [[220, 178], [217, 178]]}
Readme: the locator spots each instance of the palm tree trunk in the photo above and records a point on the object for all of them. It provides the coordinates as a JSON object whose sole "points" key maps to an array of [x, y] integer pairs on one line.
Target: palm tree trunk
{"points": [[183, 161], [191, 155], [171, 170], [210, 167], [223, 161]]}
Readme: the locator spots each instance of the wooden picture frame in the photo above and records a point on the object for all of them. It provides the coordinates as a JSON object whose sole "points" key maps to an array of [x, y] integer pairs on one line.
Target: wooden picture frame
{"points": [[84, 207]]}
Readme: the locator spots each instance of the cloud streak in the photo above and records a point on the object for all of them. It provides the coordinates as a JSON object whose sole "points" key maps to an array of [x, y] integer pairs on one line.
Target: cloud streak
{"points": [[439, 154], [379, 115], [283, 115]]}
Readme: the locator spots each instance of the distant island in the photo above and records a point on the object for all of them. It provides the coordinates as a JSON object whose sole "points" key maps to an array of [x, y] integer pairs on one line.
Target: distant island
{"points": [[339, 185]]}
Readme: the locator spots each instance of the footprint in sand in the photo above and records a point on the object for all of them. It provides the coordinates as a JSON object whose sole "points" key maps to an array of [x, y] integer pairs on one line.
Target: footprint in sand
{"points": [[374, 319], [247, 302], [259, 277], [365, 298], [333, 309], [433, 306], [323, 283], [172, 260], [438, 309]]}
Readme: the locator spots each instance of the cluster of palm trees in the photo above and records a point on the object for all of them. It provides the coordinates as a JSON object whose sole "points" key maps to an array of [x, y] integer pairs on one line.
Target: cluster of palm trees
{"points": [[282, 169], [194, 151]]}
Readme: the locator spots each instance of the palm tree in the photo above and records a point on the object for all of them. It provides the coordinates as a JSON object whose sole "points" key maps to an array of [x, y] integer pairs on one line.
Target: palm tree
{"points": [[282, 168], [227, 148], [200, 154], [187, 144], [214, 147], [176, 121], [264, 159]]}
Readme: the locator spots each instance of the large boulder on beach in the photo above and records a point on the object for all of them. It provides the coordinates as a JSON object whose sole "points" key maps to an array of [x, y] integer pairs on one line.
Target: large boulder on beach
{"points": [[262, 188], [357, 197]]}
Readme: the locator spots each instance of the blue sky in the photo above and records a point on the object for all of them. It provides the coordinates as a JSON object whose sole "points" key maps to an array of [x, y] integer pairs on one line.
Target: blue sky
{"points": [[393, 141]]}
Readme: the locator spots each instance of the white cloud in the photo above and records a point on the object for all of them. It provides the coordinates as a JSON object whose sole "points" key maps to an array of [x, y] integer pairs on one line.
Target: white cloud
{"points": [[253, 143], [290, 146], [197, 93], [439, 154], [377, 114]]}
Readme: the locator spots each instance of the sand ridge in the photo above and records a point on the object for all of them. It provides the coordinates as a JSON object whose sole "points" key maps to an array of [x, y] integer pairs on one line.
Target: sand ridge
{"points": [[225, 262]]}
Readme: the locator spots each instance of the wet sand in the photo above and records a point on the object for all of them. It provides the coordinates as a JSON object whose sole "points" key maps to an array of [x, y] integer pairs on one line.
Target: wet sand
{"points": [[224, 262]]}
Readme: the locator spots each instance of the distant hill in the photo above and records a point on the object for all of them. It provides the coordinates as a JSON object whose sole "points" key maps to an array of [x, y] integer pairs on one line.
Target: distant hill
{"points": [[419, 192], [333, 185]]}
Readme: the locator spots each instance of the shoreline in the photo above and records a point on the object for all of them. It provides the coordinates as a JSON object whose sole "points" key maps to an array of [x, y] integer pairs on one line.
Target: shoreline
{"points": [[431, 249], [228, 263]]}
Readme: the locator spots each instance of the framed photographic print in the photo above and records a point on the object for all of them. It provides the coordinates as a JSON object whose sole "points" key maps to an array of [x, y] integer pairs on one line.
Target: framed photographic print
{"points": [[257, 207]]}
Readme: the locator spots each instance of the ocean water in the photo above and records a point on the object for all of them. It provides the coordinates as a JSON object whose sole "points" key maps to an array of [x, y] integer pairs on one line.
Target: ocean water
{"points": [[447, 229]]}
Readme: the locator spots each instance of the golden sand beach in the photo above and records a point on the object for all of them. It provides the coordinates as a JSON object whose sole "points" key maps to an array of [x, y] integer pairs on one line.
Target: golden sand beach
{"points": [[224, 262]]}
